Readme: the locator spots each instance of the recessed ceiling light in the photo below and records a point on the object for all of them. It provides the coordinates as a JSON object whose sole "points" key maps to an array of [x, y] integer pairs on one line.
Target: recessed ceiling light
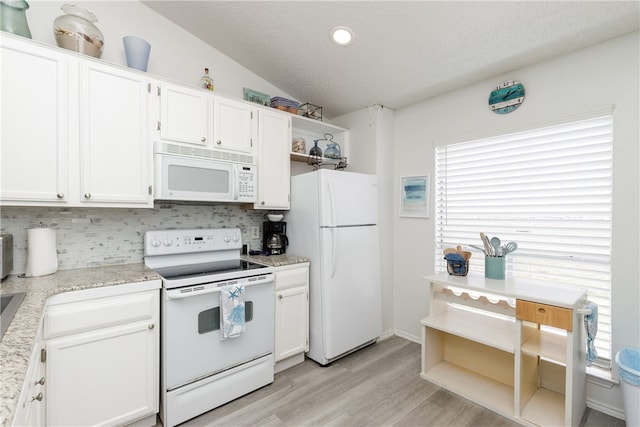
{"points": [[342, 36]]}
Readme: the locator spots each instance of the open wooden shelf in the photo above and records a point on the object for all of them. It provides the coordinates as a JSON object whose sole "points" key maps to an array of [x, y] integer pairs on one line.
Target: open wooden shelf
{"points": [[484, 329], [547, 345], [478, 388], [545, 408]]}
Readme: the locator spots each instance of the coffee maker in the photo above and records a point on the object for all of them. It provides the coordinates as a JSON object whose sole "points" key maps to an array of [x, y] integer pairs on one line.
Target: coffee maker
{"points": [[274, 237]]}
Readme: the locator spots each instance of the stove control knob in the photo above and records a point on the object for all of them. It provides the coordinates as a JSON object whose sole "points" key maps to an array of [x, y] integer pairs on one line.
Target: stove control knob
{"points": [[156, 243], [236, 238], [168, 241], [226, 238]]}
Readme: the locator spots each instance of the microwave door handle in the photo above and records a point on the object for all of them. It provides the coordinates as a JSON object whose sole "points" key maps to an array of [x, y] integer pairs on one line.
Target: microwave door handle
{"points": [[235, 184]]}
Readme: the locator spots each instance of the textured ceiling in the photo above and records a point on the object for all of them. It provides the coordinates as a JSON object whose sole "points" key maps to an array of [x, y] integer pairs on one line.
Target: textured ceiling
{"points": [[404, 51]]}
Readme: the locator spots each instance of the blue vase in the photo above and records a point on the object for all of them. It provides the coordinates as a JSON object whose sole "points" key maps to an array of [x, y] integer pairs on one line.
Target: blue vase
{"points": [[137, 52], [13, 17]]}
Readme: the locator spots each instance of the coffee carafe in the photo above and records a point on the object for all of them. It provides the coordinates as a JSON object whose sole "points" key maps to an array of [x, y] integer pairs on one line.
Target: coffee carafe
{"points": [[274, 237]]}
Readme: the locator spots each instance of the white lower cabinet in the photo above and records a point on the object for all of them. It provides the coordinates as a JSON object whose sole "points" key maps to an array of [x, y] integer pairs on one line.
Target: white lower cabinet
{"points": [[292, 314], [31, 405], [102, 356], [514, 348]]}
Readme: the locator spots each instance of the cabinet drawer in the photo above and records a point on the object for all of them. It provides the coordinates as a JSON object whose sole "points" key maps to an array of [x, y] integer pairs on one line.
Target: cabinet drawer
{"points": [[291, 278], [544, 314], [97, 313]]}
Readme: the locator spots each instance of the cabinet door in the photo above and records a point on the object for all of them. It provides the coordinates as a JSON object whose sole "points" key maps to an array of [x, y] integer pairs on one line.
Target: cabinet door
{"points": [[103, 355], [114, 144], [33, 156], [292, 322], [185, 114], [233, 125], [274, 173], [31, 406]]}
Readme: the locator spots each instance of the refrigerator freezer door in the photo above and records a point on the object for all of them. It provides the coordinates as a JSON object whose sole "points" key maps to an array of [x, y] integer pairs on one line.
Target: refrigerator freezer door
{"points": [[351, 294], [347, 198]]}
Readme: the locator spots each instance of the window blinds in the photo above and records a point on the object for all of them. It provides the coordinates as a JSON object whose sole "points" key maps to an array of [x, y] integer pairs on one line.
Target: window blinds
{"points": [[548, 190]]}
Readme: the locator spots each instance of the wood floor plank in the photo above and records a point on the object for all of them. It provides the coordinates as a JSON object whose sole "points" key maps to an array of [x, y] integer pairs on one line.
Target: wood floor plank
{"points": [[379, 385]]}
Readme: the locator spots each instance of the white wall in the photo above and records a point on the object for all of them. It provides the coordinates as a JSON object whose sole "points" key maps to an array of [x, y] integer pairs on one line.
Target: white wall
{"points": [[601, 75], [175, 54], [371, 151]]}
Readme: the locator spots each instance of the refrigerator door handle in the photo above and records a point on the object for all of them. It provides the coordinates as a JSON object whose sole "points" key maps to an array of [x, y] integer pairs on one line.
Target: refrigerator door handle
{"points": [[334, 251], [332, 206]]}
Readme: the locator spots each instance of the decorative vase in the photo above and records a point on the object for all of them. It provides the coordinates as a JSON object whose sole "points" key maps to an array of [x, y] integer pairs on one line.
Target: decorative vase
{"points": [[137, 52], [332, 151], [13, 17], [75, 30], [315, 150]]}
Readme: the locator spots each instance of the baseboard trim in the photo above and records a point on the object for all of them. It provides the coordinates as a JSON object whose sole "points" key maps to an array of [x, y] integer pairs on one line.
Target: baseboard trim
{"points": [[605, 409]]}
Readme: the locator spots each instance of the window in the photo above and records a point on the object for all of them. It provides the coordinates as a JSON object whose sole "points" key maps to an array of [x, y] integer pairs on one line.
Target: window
{"points": [[548, 190]]}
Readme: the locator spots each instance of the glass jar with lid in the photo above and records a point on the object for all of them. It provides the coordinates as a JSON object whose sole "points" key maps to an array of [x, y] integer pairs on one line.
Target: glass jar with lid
{"points": [[75, 30]]}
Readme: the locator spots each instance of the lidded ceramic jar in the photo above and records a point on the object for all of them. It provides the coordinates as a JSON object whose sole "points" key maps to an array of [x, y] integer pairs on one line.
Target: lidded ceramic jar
{"points": [[75, 30], [13, 17]]}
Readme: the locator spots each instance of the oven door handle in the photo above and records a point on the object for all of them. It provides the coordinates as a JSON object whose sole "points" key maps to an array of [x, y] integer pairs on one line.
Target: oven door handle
{"points": [[182, 295]]}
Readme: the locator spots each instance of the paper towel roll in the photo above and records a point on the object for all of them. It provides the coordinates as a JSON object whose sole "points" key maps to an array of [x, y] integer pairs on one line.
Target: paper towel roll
{"points": [[42, 258]]}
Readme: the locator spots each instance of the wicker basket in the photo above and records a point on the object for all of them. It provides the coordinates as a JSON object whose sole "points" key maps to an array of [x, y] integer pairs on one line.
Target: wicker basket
{"points": [[458, 268], [285, 104]]}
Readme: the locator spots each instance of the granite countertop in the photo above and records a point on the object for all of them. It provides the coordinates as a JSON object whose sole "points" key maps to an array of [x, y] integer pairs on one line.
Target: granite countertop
{"points": [[18, 341], [275, 260]]}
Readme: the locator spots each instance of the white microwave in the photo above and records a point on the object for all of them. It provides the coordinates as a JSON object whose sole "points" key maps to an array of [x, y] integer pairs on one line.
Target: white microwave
{"points": [[199, 178]]}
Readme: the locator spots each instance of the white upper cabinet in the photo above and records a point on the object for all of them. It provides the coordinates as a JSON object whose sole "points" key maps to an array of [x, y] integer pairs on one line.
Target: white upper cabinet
{"points": [[74, 130], [34, 156], [185, 114], [274, 139], [115, 150], [234, 126]]}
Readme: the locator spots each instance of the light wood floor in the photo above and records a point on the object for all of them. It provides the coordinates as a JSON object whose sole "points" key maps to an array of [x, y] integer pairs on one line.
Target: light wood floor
{"points": [[376, 386]]}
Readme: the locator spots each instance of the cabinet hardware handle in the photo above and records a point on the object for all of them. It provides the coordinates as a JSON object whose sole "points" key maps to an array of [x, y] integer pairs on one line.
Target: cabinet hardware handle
{"points": [[262, 203], [203, 139], [279, 296], [40, 381], [38, 397], [542, 310], [60, 195], [87, 195], [218, 142], [151, 326]]}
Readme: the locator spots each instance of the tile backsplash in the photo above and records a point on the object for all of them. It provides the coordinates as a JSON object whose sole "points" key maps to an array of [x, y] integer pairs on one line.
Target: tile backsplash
{"points": [[92, 237]]}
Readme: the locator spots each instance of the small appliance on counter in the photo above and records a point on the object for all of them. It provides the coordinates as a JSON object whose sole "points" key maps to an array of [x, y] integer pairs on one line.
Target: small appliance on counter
{"points": [[6, 251], [274, 235]]}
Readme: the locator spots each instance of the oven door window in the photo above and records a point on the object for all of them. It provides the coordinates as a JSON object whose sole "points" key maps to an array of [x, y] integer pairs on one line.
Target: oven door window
{"points": [[209, 320]]}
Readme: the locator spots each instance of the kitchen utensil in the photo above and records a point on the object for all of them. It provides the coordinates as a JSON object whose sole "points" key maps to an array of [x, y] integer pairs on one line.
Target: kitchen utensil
{"points": [[479, 248], [487, 247], [509, 247], [495, 243]]}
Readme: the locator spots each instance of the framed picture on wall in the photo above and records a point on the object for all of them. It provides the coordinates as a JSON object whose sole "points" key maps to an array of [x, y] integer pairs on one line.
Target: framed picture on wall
{"points": [[414, 196]]}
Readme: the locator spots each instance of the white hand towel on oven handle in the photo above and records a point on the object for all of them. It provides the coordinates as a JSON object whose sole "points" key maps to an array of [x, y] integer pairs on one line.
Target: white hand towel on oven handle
{"points": [[232, 318]]}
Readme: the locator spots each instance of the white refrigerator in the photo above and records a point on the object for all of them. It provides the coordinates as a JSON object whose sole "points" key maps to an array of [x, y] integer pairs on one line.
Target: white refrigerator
{"points": [[333, 221]]}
